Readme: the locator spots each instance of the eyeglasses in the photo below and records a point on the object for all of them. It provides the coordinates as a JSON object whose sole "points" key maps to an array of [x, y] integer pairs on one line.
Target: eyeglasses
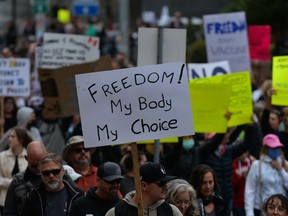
{"points": [[183, 202], [280, 209], [53, 171], [160, 183], [80, 149], [116, 181]]}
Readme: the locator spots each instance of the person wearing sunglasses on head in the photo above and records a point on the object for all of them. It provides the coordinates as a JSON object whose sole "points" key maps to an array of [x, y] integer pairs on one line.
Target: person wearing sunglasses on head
{"points": [[25, 181], [153, 179], [79, 158], [55, 195], [98, 200]]}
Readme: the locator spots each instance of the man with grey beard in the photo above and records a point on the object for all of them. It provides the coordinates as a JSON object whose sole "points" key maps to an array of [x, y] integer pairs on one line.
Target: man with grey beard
{"points": [[79, 158], [55, 195]]}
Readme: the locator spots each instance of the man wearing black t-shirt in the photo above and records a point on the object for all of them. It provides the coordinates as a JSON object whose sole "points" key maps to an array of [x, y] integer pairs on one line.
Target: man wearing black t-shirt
{"points": [[54, 195]]}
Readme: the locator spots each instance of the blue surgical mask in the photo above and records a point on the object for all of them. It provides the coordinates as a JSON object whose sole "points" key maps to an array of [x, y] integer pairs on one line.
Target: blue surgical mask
{"points": [[274, 153], [188, 144]]}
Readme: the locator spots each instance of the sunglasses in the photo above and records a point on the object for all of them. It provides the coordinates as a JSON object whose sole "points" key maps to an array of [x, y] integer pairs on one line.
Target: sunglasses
{"points": [[160, 183], [80, 149], [53, 171], [116, 181]]}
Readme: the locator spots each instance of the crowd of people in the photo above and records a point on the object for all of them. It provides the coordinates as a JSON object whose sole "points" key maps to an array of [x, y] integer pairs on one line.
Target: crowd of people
{"points": [[45, 168]]}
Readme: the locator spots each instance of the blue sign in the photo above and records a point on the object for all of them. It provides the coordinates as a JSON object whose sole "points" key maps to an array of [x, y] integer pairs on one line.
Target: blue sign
{"points": [[85, 9]]}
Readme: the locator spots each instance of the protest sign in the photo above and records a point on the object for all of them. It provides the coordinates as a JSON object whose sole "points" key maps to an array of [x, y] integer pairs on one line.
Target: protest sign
{"points": [[240, 102], [65, 49], [134, 104], [164, 140], [14, 77], [210, 104], [208, 69], [280, 80], [259, 42], [59, 88], [149, 44], [226, 39]]}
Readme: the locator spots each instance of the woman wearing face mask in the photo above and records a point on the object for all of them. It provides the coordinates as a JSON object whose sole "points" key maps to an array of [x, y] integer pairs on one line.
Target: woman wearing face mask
{"points": [[188, 153], [267, 176]]}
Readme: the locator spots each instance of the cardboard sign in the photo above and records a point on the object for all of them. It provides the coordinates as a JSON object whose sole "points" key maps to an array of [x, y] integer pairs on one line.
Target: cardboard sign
{"points": [[208, 69], [65, 49], [280, 80], [59, 89], [14, 77], [172, 39], [226, 39], [134, 104], [259, 42]]}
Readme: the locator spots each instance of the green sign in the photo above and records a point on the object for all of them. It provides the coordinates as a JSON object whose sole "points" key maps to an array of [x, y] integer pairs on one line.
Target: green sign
{"points": [[40, 6]]}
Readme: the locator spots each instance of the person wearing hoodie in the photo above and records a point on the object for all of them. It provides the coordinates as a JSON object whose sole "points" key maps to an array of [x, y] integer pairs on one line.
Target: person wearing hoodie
{"points": [[153, 187], [25, 118], [98, 200]]}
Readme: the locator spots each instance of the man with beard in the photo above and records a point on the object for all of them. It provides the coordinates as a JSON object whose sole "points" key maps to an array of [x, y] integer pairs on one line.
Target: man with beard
{"points": [[55, 195], [79, 158], [153, 179], [25, 181], [98, 200]]}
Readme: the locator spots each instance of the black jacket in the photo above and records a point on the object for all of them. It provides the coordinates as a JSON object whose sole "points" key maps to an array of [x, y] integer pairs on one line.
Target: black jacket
{"points": [[35, 202], [91, 204], [21, 185]]}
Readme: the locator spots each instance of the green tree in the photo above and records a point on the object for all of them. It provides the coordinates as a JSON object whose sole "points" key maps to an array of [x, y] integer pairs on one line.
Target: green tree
{"points": [[266, 12]]}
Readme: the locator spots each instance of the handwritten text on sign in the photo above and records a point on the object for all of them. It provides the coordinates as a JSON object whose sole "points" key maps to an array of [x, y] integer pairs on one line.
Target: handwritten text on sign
{"points": [[134, 104], [208, 69], [280, 80], [226, 39], [14, 77], [65, 49]]}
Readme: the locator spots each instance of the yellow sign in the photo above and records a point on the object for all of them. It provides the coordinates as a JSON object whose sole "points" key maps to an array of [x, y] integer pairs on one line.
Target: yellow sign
{"points": [[280, 80], [165, 140], [210, 103], [240, 104], [63, 16]]}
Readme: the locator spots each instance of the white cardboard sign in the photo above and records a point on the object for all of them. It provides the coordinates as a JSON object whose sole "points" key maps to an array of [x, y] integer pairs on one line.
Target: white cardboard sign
{"points": [[226, 39], [14, 77], [173, 46], [61, 50], [134, 104], [208, 69]]}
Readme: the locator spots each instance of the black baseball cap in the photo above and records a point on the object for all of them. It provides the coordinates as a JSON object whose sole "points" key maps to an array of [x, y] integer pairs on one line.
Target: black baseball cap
{"points": [[151, 172], [109, 171]]}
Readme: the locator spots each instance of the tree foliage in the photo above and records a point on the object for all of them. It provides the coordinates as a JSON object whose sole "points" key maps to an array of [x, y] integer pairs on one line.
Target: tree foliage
{"points": [[264, 12]]}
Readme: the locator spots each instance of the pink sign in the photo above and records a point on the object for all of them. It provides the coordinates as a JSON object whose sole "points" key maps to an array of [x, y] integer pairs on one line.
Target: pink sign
{"points": [[259, 42]]}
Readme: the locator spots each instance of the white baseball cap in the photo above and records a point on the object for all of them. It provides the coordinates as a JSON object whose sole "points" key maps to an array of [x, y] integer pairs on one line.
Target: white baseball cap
{"points": [[70, 171]]}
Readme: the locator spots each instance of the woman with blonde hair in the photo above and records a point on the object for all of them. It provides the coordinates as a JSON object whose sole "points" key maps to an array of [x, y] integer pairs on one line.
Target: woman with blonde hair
{"points": [[181, 194], [13, 159]]}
